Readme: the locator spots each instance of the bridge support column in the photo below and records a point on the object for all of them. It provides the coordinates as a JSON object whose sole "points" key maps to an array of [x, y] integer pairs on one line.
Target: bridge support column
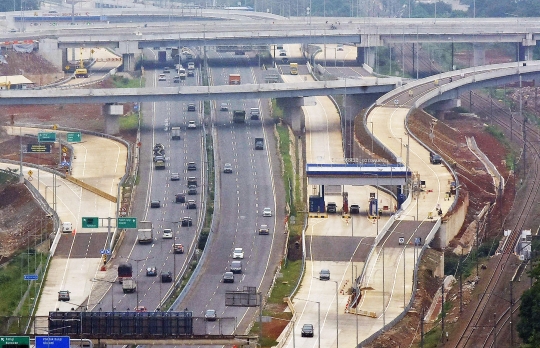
{"points": [[360, 55], [369, 56], [294, 115], [479, 54], [128, 62], [48, 48], [112, 113]]}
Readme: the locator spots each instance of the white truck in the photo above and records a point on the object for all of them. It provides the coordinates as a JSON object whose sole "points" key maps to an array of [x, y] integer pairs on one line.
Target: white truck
{"points": [[145, 234], [129, 285]]}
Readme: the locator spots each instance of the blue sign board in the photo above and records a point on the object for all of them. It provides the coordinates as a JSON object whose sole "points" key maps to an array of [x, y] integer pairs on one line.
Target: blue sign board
{"points": [[52, 341], [105, 251], [30, 277]]}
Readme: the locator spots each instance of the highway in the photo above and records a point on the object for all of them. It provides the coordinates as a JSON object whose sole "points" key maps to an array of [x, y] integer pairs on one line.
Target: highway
{"points": [[240, 199]]}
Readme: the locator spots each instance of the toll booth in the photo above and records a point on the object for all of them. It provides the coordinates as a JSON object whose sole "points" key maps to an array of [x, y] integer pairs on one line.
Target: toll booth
{"points": [[316, 204], [373, 207]]}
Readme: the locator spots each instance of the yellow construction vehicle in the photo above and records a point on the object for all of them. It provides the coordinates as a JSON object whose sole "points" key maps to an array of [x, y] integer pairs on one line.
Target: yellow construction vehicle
{"points": [[81, 71]]}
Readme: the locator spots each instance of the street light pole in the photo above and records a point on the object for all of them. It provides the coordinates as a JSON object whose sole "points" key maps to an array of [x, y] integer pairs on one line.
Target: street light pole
{"points": [[384, 305], [337, 315], [318, 322]]}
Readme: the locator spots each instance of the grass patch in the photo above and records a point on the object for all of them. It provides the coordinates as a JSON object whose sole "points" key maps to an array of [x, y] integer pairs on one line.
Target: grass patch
{"points": [[288, 178], [285, 285], [124, 82], [129, 122]]}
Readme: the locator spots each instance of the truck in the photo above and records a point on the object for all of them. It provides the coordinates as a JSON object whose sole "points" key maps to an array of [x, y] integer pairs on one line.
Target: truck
{"points": [[254, 113], [159, 164], [175, 133], [81, 72], [129, 285], [239, 116], [145, 234], [294, 68], [124, 271], [234, 79], [259, 143]]}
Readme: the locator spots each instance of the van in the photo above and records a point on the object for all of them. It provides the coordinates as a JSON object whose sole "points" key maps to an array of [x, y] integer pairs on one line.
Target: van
{"points": [[331, 207], [254, 113], [67, 227]]}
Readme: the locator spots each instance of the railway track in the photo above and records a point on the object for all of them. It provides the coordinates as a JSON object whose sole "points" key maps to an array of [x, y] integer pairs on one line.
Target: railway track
{"points": [[486, 313]]}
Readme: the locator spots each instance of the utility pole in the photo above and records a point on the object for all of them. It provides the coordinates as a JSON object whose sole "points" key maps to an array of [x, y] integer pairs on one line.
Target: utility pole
{"points": [[442, 311], [511, 316], [422, 330]]}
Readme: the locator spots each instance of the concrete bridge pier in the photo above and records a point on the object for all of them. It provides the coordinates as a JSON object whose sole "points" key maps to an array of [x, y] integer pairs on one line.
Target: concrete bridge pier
{"points": [[112, 113], [293, 112], [48, 48], [479, 54], [128, 62], [360, 55]]}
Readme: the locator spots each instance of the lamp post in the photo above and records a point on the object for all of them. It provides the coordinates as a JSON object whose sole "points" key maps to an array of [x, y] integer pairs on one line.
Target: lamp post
{"points": [[319, 319], [384, 304], [137, 272], [112, 291], [337, 315], [371, 136]]}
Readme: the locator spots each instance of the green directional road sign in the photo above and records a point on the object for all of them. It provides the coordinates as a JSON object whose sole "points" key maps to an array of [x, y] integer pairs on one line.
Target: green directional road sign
{"points": [[127, 222], [46, 137], [74, 137], [19, 341], [90, 222]]}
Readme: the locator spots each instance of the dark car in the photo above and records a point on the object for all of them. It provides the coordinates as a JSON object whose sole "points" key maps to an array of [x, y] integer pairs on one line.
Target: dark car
{"points": [[191, 166], [307, 330], [166, 277], [192, 190], [228, 277], [354, 209], [155, 204], [191, 107], [186, 222], [331, 207], [191, 72], [178, 248], [434, 158], [192, 181], [180, 198], [63, 295], [191, 204], [151, 272], [227, 168]]}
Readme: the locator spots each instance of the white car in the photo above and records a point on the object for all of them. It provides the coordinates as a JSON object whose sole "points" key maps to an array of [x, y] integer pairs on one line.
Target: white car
{"points": [[191, 125], [162, 77], [238, 253], [267, 212], [167, 233]]}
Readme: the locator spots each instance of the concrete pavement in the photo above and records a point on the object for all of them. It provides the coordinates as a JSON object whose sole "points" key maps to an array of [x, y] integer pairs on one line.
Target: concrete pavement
{"points": [[97, 161]]}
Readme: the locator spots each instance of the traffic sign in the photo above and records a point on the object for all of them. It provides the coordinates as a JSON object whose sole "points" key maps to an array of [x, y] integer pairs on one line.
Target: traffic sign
{"points": [[38, 148], [126, 222], [20, 341], [74, 137], [52, 341], [46, 137], [105, 251], [401, 240], [30, 277], [90, 222]]}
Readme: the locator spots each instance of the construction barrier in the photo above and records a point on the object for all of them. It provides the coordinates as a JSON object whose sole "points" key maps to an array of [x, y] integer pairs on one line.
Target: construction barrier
{"points": [[318, 215]]}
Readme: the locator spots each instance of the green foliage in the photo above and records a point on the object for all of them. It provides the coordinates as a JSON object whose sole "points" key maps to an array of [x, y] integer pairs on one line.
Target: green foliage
{"points": [[203, 238], [285, 285], [124, 82], [129, 122], [529, 316]]}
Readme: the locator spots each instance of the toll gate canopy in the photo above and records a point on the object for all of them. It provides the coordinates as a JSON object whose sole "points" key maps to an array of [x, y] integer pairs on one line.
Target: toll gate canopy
{"points": [[357, 174]]}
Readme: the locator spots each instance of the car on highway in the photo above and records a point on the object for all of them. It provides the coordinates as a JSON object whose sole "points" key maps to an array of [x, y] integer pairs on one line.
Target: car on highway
{"points": [[178, 248], [151, 272], [191, 166], [180, 198], [192, 125], [175, 177], [166, 276], [227, 168], [63, 295], [192, 190], [339, 48], [228, 277], [264, 229], [166, 70], [267, 212], [191, 65], [238, 253], [191, 107], [192, 181], [159, 158], [354, 209], [167, 233], [307, 330], [155, 203], [434, 158], [282, 53], [236, 266], [191, 204], [324, 274], [186, 222], [210, 315], [191, 73], [224, 107], [140, 309], [162, 77], [12, 30], [176, 79]]}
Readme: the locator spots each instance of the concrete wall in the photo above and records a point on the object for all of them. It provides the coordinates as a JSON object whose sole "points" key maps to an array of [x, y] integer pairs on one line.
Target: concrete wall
{"points": [[452, 222], [44, 79]]}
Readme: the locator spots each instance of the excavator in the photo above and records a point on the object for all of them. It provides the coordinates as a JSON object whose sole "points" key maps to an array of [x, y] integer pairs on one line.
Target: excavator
{"points": [[81, 71]]}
